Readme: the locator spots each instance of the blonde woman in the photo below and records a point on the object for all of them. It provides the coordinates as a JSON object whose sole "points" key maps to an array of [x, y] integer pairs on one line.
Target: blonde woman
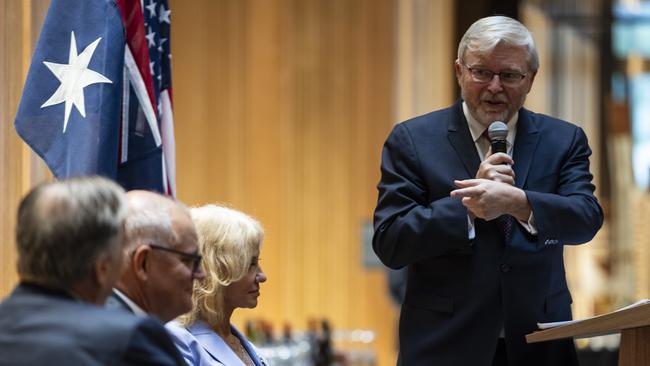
{"points": [[230, 245]]}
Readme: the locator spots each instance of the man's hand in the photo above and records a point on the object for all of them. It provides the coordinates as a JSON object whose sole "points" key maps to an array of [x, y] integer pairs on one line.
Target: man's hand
{"points": [[497, 167], [488, 199]]}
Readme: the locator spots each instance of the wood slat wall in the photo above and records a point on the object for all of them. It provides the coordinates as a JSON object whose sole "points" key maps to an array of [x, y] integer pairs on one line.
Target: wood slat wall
{"points": [[10, 148], [281, 109], [19, 167]]}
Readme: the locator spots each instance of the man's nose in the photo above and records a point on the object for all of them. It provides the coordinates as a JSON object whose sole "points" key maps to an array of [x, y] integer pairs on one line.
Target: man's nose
{"points": [[495, 85]]}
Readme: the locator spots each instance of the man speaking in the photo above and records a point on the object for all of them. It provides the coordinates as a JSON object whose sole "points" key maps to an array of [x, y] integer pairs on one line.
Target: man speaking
{"points": [[483, 233]]}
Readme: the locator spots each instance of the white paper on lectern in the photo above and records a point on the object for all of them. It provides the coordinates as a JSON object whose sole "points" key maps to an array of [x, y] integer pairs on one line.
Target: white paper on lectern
{"points": [[557, 324]]}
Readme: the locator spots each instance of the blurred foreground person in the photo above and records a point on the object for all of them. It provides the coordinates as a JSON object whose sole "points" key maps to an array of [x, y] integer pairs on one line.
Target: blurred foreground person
{"points": [[162, 258], [230, 244], [69, 237]]}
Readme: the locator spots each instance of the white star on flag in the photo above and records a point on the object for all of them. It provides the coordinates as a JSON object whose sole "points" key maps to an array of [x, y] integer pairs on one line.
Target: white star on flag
{"points": [[163, 16], [152, 8], [160, 45], [151, 38], [74, 77]]}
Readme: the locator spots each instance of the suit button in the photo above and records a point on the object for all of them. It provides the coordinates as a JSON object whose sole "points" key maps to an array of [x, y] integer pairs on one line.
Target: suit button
{"points": [[504, 268]]}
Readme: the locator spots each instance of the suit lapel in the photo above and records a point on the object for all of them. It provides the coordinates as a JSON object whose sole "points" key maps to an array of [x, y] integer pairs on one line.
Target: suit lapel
{"points": [[214, 345], [461, 140], [252, 353], [525, 146]]}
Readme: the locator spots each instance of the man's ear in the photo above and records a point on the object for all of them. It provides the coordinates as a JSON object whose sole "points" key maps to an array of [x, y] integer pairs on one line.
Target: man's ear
{"points": [[140, 262], [459, 71], [532, 79]]}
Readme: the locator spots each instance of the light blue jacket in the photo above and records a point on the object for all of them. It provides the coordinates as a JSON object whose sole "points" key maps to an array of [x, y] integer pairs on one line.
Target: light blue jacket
{"points": [[201, 346]]}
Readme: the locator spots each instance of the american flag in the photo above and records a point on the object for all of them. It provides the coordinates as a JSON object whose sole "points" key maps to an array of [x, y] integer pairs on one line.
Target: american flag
{"points": [[147, 89], [98, 96]]}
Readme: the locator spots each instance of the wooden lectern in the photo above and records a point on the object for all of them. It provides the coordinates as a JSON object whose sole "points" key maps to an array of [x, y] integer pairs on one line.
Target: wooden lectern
{"points": [[633, 323]]}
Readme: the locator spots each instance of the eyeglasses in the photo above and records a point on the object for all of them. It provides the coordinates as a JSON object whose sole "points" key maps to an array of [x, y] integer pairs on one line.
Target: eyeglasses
{"points": [[508, 78], [194, 259]]}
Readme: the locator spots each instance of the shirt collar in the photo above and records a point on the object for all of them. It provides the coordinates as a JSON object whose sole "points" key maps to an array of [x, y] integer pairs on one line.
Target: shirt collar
{"points": [[137, 310], [476, 129]]}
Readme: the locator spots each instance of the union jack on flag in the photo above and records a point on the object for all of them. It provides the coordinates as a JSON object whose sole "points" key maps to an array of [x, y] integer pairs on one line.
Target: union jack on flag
{"points": [[98, 95]]}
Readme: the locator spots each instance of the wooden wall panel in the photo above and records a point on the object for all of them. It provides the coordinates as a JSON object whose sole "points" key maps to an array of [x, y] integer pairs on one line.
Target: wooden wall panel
{"points": [[425, 57], [281, 108], [10, 149], [19, 167]]}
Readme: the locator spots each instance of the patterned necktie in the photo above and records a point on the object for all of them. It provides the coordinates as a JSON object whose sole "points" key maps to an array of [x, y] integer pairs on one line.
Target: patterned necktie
{"points": [[505, 222], [484, 141]]}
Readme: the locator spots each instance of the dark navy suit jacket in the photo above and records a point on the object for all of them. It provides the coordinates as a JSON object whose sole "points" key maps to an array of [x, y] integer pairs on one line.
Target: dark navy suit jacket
{"points": [[42, 327], [460, 294]]}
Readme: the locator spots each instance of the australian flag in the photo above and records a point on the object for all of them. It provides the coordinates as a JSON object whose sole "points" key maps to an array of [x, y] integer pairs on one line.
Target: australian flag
{"points": [[98, 96]]}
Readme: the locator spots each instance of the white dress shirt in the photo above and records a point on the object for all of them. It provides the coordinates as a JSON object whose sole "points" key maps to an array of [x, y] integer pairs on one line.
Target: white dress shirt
{"points": [[482, 147]]}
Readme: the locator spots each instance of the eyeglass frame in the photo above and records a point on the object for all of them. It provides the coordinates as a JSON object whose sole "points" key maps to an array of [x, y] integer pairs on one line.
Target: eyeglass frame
{"points": [[197, 258], [507, 81]]}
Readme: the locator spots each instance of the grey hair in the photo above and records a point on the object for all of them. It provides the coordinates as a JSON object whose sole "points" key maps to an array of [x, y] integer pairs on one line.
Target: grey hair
{"points": [[63, 227], [486, 33], [148, 222]]}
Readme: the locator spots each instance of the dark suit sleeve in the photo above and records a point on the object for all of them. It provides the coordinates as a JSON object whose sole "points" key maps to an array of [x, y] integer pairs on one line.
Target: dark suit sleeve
{"points": [[409, 224], [150, 344], [571, 214]]}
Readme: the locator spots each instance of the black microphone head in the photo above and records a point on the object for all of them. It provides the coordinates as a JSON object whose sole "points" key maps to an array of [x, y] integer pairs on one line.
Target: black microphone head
{"points": [[497, 131]]}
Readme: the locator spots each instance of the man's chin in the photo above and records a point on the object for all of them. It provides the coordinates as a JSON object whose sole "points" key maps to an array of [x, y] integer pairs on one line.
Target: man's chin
{"points": [[488, 117]]}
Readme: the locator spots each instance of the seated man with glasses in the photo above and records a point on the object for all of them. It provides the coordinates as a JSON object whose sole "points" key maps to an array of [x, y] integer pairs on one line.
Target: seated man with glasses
{"points": [[163, 260]]}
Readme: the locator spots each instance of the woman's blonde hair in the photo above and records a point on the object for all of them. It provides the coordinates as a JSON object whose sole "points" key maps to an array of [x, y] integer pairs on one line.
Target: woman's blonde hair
{"points": [[228, 240]]}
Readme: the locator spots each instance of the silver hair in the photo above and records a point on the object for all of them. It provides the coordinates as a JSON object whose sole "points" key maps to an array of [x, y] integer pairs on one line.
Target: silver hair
{"points": [[148, 223], [486, 33], [63, 227]]}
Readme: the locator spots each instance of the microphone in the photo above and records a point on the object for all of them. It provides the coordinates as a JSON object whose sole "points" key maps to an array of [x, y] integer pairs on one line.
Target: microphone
{"points": [[497, 132]]}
